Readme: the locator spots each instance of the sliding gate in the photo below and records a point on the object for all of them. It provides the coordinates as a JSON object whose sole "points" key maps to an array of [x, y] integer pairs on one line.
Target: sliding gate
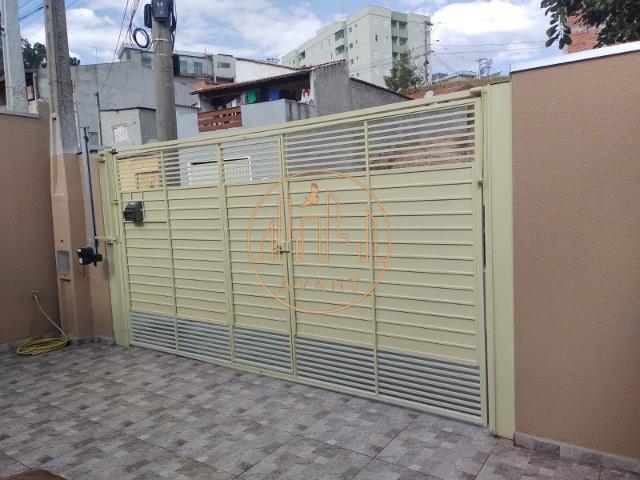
{"points": [[345, 253]]}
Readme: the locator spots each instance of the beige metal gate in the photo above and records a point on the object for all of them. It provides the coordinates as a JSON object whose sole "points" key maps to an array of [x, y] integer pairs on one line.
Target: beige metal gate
{"points": [[344, 252]]}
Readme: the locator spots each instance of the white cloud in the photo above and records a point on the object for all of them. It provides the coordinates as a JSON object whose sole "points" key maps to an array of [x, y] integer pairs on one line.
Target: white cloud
{"points": [[412, 3], [92, 36], [503, 30], [258, 28], [262, 27], [270, 28]]}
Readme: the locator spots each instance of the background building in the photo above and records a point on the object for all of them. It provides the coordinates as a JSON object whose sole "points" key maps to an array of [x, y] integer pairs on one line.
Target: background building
{"points": [[304, 93], [207, 67], [368, 40], [105, 87], [218, 67]]}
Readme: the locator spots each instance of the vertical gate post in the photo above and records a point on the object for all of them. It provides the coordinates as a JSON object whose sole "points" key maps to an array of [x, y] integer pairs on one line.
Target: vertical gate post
{"points": [[288, 263], [113, 239], [224, 221]]}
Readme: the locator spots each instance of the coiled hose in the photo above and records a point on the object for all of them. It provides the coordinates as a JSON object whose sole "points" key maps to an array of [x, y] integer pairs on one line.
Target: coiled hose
{"points": [[43, 345]]}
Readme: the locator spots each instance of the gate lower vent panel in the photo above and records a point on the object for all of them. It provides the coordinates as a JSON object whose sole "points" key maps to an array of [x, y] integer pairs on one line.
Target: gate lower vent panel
{"points": [[153, 329], [336, 363], [435, 383], [263, 349], [202, 338]]}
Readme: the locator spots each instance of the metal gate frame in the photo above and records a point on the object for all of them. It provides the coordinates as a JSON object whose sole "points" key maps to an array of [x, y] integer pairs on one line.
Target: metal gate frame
{"points": [[493, 177]]}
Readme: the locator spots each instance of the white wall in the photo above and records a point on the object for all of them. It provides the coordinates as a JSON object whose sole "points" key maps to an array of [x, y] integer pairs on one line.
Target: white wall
{"points": [[187, 119], [247, 70]]}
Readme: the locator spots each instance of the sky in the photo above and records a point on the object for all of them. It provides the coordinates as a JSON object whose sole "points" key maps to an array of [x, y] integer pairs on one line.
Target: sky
{"points": [[506, 31]]}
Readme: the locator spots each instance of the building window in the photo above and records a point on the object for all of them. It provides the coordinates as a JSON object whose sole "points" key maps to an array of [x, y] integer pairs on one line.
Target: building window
{"points": [[146, 60], [350, 30], [340, 49], [184, 68], [376, 37], [351, 45], [339, 34], [351, 62], [128, 54], [224, 65], [197, 68], [302, 54]]}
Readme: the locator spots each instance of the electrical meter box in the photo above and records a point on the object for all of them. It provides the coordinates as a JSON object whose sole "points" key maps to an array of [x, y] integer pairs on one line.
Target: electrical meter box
{"points": [[161, 9], [148, 22], [133, 212]]}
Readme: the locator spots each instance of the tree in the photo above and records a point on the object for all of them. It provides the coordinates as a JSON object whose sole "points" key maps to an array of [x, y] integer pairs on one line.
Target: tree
{"points": [[34, 56], [404, 76], [619, 20]]}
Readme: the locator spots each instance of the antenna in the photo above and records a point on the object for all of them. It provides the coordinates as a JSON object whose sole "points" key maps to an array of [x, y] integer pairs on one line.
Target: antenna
{"points": [[95, 47], [484, 66]]}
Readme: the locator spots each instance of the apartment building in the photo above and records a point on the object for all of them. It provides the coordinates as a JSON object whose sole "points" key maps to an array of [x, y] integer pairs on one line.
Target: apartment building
{"points": [[368, 40]]}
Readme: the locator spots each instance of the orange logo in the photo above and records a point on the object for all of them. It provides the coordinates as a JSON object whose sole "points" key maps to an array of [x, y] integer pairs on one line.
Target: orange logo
{"points": [[320, 244]]}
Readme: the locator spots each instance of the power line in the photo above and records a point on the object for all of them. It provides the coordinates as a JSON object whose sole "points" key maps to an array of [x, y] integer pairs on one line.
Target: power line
{"points": [[443, 63], [518, 49], [41, 27], [389, 62], [483, 44], [31, 12], [115, 52]]}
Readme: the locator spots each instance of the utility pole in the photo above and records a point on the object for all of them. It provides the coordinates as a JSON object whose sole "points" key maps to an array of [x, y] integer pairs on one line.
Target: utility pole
{"points": [[16, 87], [67, 202], [427, 51], [59, 71], [162, 14]]}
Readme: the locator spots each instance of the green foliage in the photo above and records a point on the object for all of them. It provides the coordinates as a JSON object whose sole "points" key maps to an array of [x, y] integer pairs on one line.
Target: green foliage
{"points": [[404, 76], [619, 19], [35, 56]]}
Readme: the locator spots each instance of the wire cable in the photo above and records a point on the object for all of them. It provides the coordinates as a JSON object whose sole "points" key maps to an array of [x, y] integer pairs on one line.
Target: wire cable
{"points": [[43, 345], [442, 62], [115, 52]]}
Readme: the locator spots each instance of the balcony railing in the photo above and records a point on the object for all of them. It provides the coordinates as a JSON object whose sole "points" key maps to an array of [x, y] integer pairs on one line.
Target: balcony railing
{"points": [[219, 119]]}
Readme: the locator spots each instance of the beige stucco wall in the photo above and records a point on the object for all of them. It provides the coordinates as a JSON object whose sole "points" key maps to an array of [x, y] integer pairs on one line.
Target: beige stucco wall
{"points": [[576, 169], [27, 257], [26, 234]]}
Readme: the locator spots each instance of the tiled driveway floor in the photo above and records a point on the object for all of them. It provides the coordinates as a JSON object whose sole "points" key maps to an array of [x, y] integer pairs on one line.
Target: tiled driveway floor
{"points": [[95, 412]]}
